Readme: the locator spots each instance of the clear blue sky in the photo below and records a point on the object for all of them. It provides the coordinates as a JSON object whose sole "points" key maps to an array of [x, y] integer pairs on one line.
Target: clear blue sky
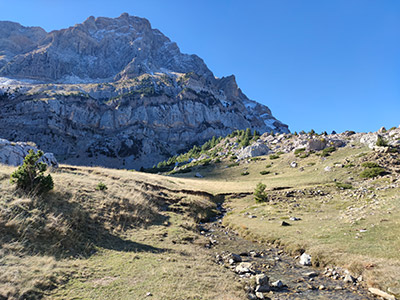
{"points": [[321, 64]]}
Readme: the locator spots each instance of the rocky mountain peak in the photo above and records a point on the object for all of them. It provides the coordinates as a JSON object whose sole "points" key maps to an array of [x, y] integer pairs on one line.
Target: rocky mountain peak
{"points": [[102, 49], [118, 93]]}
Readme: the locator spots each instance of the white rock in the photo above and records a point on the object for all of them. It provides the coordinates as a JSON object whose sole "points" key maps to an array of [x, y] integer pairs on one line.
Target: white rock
{"points": [[305, 259]]}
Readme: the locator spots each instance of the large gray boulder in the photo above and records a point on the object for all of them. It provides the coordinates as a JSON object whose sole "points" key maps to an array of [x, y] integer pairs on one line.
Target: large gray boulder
{"points": [[14, 153], [257, 149]]}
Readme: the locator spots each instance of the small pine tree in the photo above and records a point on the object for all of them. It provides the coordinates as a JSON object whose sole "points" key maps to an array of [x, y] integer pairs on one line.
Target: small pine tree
{"points": [[30, 176], [381, 142], [259, 193]]}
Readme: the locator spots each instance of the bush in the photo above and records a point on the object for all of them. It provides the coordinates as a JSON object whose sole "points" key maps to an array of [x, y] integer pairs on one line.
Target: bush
{"points": [[381, 142], [245, 173], [259, 193], [304, 155], [268, 166], [30, 176], [327, 151], [372, 172], [300, 150], [233, 165], [370, 164], [264, 172], [344, 186], [101, 187], [274, 156]]}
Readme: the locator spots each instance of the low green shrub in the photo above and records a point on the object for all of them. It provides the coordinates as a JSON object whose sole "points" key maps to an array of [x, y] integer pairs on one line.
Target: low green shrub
{"points": [[372, 172], [101, 186], [264, 172], [381, 142], [298, 151], [268, 166], [370, 164], [245, 173], [233, 165], [274, 156], [30, 176], [344, 186], [327, 151], [259, 193]]}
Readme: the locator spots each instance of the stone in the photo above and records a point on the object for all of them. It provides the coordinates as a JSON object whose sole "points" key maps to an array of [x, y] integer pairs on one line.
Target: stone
{"points": [[285, 223], [260, 295], [316, 144], [294, 219], [262, 279], [305, 259], [251, 296], [293, 164], [257, 149], [349, 279], [198, 175], [262, 288], [311, 274], [328, 169], [243, 267], [384, 295], [14, 153], [235, 257], [277, 284]]}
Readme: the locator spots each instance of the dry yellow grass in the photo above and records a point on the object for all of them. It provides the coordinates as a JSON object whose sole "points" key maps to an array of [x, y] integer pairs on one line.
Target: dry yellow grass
{"points": [[136, 236]]}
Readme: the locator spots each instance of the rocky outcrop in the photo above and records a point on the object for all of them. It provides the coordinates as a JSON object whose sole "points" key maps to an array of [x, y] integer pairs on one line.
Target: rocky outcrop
{"points": [[117, 93], [14, 153]]}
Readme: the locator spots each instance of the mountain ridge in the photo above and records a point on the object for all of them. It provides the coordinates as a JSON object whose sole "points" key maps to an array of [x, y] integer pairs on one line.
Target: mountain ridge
{"points": [[111, 91]]}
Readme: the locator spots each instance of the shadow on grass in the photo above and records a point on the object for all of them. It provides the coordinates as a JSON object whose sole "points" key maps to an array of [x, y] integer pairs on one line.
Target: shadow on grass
{"points": [[55, 225]]}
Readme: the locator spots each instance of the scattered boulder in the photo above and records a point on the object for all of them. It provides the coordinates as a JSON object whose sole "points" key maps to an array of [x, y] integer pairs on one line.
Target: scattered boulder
{"points": [[14, 153], [316, 144], [305, 259], [285, 223], [293, 164], [327, 169], [257, 149]]}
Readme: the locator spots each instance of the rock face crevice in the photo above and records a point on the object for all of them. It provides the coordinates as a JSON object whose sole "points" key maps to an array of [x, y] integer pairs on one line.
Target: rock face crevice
{"points": [[117, 93]]}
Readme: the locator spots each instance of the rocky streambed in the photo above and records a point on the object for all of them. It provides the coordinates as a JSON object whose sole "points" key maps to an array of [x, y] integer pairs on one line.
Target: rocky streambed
{"points": [[269, 273]]}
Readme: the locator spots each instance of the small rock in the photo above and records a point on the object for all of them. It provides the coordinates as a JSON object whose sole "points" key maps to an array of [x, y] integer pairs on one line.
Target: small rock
{"points": [[148, 294], [310, 286], [198, 175], [251, 296], [262, 279], [243, 267], [262, 288], [321, 287], [305, 259], [294, 219], [348, 278], [285, 223], [293, 164], [278, 284], [327, 169], [235, 257], [311, 274], [382, 294], [259, 295]]}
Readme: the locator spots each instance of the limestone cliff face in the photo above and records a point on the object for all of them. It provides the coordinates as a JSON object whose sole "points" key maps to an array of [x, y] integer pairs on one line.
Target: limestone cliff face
{"points": [[117, 93]]}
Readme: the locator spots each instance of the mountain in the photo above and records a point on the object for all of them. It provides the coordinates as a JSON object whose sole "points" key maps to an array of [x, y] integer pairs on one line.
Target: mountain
{"points": [[115, 92]]}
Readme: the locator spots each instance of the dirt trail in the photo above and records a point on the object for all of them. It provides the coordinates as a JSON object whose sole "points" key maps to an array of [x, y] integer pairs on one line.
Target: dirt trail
{"points": [[300, 282]]}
